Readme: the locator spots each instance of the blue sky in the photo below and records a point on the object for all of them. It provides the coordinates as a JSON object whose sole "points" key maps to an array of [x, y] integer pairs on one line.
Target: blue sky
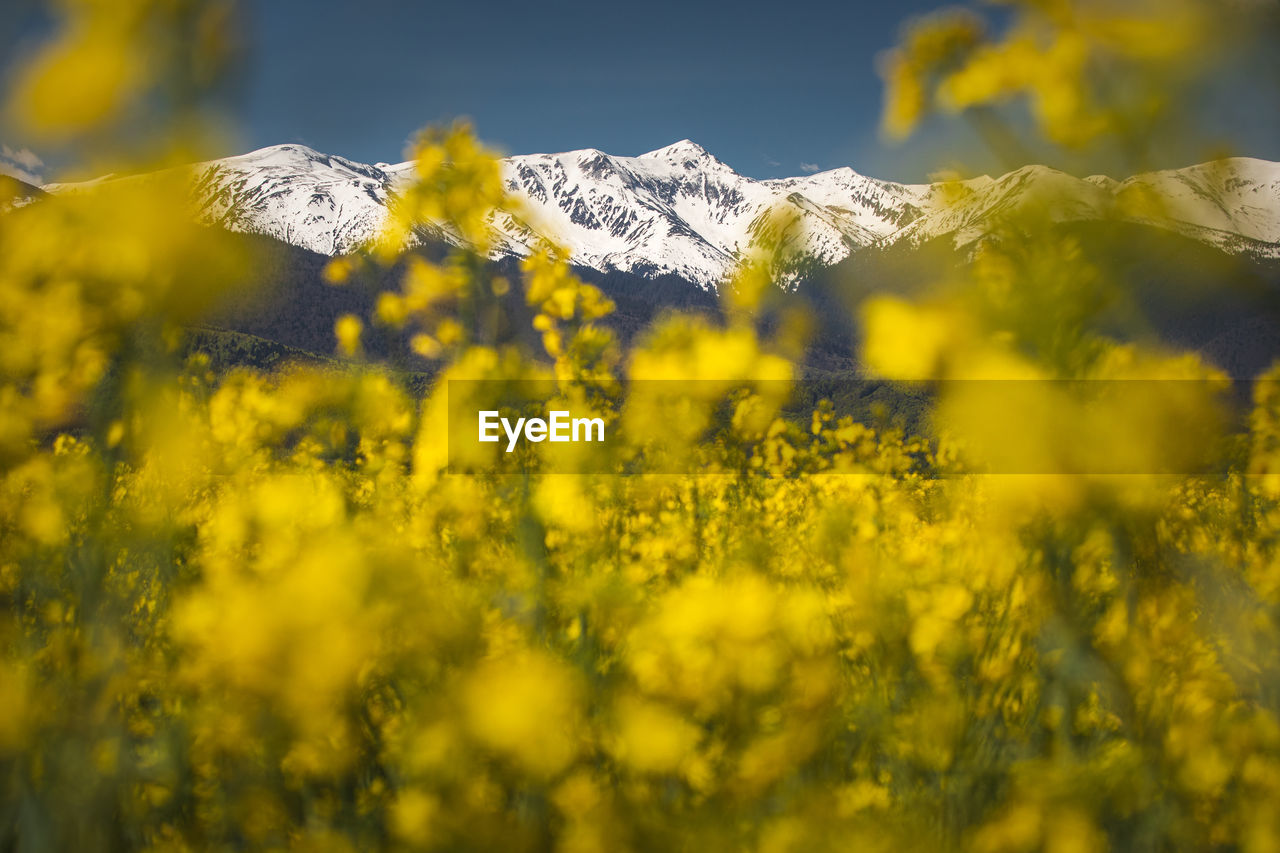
{"points": [[766, 86], [772, 88]]}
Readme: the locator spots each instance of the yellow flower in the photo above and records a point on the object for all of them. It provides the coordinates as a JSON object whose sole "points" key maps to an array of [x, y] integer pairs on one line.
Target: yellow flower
{"points": [[347, 329], [525, 708]]}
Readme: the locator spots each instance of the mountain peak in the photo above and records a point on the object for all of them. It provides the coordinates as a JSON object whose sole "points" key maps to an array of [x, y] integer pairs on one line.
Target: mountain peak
{"points": [[678, 210], [684, 150], [283, 153], [302, 158]]}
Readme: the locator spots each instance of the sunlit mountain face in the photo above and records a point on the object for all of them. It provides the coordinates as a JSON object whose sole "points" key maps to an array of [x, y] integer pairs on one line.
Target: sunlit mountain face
{"points": [[679, 211]]}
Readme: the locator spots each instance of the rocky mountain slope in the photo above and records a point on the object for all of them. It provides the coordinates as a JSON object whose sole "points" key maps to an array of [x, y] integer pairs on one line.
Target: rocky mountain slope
{"points": [[680, 211]]}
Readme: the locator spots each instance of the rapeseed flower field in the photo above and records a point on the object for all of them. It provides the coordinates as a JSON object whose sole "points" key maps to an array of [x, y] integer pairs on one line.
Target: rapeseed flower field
{"points": [[276, 610]]}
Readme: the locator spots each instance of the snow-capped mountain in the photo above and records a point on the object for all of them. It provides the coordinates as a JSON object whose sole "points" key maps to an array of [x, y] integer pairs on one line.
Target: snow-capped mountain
{"points": [[679, 210], [1233, 204], [675, 210], [17, 193], [326, 204]]}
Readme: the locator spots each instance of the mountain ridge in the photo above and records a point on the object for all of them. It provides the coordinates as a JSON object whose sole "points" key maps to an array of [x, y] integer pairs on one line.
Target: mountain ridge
{"points": [[678, 210]]}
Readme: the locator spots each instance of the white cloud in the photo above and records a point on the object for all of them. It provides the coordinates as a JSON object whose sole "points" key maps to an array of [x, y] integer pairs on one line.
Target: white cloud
{"points": [[22, 163], [810, 167]]}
